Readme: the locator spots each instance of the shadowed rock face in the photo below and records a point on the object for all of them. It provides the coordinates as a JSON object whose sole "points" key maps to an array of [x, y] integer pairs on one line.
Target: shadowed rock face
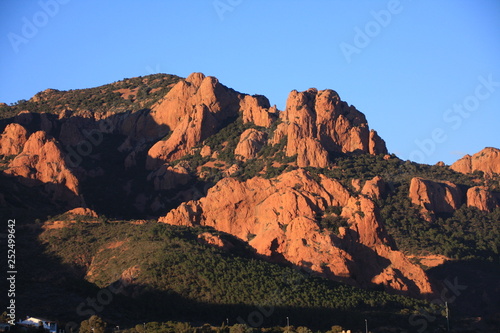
{"points": [[481, 198], [435, 197], [487, 161], [279, 218]]}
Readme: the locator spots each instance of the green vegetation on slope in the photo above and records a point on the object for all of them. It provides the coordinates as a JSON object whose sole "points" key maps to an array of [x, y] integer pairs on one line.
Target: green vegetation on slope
{"points": [[144, 92], [172, 262], [466, 234]]}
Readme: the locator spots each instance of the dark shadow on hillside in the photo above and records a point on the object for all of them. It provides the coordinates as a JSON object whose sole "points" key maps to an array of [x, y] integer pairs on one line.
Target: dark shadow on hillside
{"points": [[27, 199], [96, 151], [108, 157], [471, 287]]}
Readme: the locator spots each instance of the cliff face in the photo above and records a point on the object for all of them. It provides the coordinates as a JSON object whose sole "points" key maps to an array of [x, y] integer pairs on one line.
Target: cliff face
{"points": [[41, 163], [279, 218], [435, 197], [318, 122], [487, 161], [13, 139], [315, 123], [445, 197], [198, 107], [482, 199]]}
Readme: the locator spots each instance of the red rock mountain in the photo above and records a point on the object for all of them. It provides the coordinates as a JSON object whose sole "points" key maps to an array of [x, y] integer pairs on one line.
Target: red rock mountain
{"points": [[143, 159], [318, 122], [278, 218], [195, 109], [314, 122]]}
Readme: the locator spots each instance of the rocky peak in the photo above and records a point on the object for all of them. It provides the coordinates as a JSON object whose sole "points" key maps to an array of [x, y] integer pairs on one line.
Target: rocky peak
{"points": [[13, 139], [256, 109], [326, 124], [198, 107], [315, 123], [487, 161]]}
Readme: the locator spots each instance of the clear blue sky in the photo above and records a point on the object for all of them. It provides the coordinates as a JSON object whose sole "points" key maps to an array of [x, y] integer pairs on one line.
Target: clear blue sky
{"points": [[405, 71]]}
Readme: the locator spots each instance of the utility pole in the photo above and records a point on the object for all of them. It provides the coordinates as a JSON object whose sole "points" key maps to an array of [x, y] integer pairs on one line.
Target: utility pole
{"points": [[287, 324], [447, 316], [366, 326]]}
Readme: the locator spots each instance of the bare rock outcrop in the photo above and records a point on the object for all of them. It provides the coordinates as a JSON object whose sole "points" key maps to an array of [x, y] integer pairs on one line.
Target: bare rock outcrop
{"points": [[194, 109], [215, 240], [251, 142], [328, 125], [188, 133], [13, 139], [374, 188], [487, 161], [481, 198], [435, 197], [315, 123], [256, 109], [81, 211], [42, 162], [278, 217]]}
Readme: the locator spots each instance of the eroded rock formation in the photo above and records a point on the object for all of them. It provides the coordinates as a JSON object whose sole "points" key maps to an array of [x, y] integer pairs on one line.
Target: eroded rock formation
{"points": [[279, 218], [487, 161]]}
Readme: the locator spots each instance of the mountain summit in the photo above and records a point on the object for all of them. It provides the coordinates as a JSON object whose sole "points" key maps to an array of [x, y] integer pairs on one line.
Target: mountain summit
{"points": [[166, 164]]}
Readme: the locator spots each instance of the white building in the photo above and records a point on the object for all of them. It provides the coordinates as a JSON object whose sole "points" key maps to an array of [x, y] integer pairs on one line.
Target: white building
{"points": [[51, 326]]}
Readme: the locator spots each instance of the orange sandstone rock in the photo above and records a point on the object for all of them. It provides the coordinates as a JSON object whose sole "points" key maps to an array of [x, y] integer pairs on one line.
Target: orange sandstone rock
{"points": [[42, 162], [435, 197], [13, 139], [481, 198], [278, 217], [251, 141], [487, 160]]}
